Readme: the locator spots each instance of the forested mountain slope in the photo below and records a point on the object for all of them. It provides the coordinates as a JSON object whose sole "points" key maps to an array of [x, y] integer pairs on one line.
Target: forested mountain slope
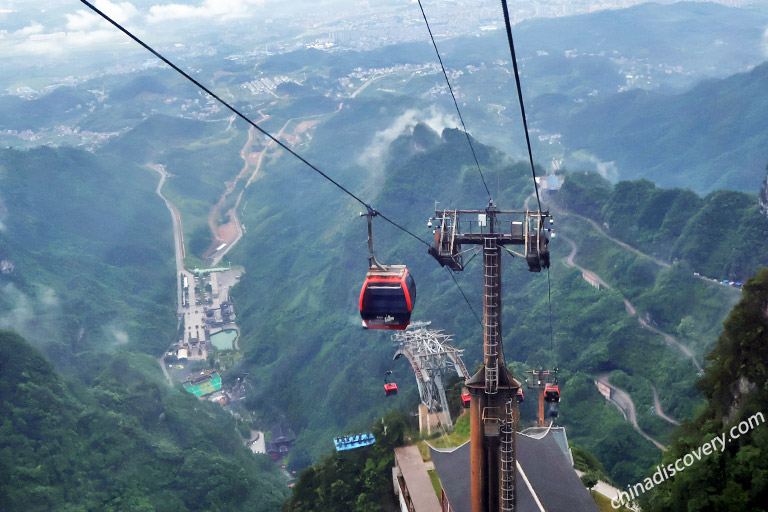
{"points": [[125, 442], [722, 235], [704, 139], [92, 254], [735, 387], [312, 362]]}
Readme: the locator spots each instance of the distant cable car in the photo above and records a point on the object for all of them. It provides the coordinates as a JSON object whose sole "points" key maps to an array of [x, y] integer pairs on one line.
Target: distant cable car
{"points": [[465, 399], [387, 298], [552, 393], [520, 397], [390, 389], [389, 291], [553, 410]]}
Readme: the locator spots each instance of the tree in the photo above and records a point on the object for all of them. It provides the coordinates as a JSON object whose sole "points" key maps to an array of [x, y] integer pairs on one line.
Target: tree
{"points": [[590, 480]]}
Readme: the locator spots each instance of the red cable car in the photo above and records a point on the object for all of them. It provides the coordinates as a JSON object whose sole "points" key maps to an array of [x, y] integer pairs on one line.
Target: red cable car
{"points": [[465, 399], [520, 397], [387, 298], [390, 389], [552, 393]]}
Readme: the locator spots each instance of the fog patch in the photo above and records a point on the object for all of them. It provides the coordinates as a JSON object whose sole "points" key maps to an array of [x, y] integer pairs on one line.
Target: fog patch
{"points": [[3, 215], [48, 297], [607, 170], [119, 336], [764, 43], [373, 155], [33, 317], [21, 314]]}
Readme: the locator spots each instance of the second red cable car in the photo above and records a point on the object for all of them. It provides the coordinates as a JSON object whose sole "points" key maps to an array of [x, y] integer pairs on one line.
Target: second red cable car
{"points": [[552, 393], [390, 389]]}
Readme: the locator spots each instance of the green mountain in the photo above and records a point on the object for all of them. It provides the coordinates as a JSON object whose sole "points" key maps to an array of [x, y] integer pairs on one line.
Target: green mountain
{"points": [[92, 252], [89, 281], [732, 476], [704, 139], [312, 362], [127, 441], [676, 224]]}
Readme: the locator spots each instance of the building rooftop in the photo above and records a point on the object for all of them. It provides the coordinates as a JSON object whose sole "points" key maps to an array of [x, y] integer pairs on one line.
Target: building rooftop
{"points": [[422, 494], [545, 478]]}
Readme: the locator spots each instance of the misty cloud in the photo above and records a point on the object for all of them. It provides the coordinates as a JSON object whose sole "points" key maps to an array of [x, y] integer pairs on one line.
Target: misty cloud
{"points": [[3, 215], [48, 297], [32, 317], [121, 337], [607, 170], [372, 156], [34, 28], [85, 20], [765, 43], [21, 313], [223, 9]]}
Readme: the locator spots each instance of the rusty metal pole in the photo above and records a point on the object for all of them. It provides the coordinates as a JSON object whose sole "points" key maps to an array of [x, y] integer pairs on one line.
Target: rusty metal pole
{"points": [[477, 489]]}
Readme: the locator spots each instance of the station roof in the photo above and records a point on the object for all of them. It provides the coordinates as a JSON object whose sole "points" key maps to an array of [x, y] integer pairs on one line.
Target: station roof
{"points": [[547, 481], [423, 495]]}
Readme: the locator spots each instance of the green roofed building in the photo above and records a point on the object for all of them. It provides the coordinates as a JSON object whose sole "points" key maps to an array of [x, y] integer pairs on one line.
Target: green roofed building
{"points": [[203, 384]]}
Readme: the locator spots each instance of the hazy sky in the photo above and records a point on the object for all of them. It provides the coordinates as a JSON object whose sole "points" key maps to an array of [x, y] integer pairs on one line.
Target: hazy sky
{"points": [[49, 27]]}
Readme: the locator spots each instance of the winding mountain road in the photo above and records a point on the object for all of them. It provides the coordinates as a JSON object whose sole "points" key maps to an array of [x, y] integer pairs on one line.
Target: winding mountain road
{"points": [[588, 275], [592, 277], [619, 242], [178, 241], [659, 411], [626, 405]]}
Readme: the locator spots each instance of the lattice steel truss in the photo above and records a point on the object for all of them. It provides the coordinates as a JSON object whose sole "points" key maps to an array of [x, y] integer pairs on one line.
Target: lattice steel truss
{"points": [[432, 358]]}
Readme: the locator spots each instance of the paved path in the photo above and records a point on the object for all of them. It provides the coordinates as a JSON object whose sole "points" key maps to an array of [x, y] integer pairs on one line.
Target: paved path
{"points": [[603, 488], [178, 243], [626, 405], [619, 242], [592, 277], [588, 275], [657, 406], [161, 362]]}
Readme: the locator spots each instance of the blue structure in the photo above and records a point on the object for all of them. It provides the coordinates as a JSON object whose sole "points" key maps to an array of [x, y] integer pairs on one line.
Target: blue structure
{"points": [[354, 441]]}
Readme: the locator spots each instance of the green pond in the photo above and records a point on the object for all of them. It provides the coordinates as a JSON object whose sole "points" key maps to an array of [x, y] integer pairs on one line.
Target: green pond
{"points": [[224, 340]]}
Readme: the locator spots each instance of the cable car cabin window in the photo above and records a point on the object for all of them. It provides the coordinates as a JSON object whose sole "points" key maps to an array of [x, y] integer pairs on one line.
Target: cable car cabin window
{"points": [[384, 299], [411, 285]]}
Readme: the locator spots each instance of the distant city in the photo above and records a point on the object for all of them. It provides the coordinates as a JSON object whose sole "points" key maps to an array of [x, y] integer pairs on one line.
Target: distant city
{"points": [[370, 25]]}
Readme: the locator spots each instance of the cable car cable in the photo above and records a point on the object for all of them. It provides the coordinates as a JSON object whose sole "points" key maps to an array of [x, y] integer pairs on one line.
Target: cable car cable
{"points": [[246, 119], [520, 96], [465, 297], [216, 97], [549, 297], [445, 74], [530, 153]]}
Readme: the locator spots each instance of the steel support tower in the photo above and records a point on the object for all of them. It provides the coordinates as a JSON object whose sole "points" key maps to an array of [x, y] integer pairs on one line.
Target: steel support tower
{"points": [[432, 358], [493, 408]]}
